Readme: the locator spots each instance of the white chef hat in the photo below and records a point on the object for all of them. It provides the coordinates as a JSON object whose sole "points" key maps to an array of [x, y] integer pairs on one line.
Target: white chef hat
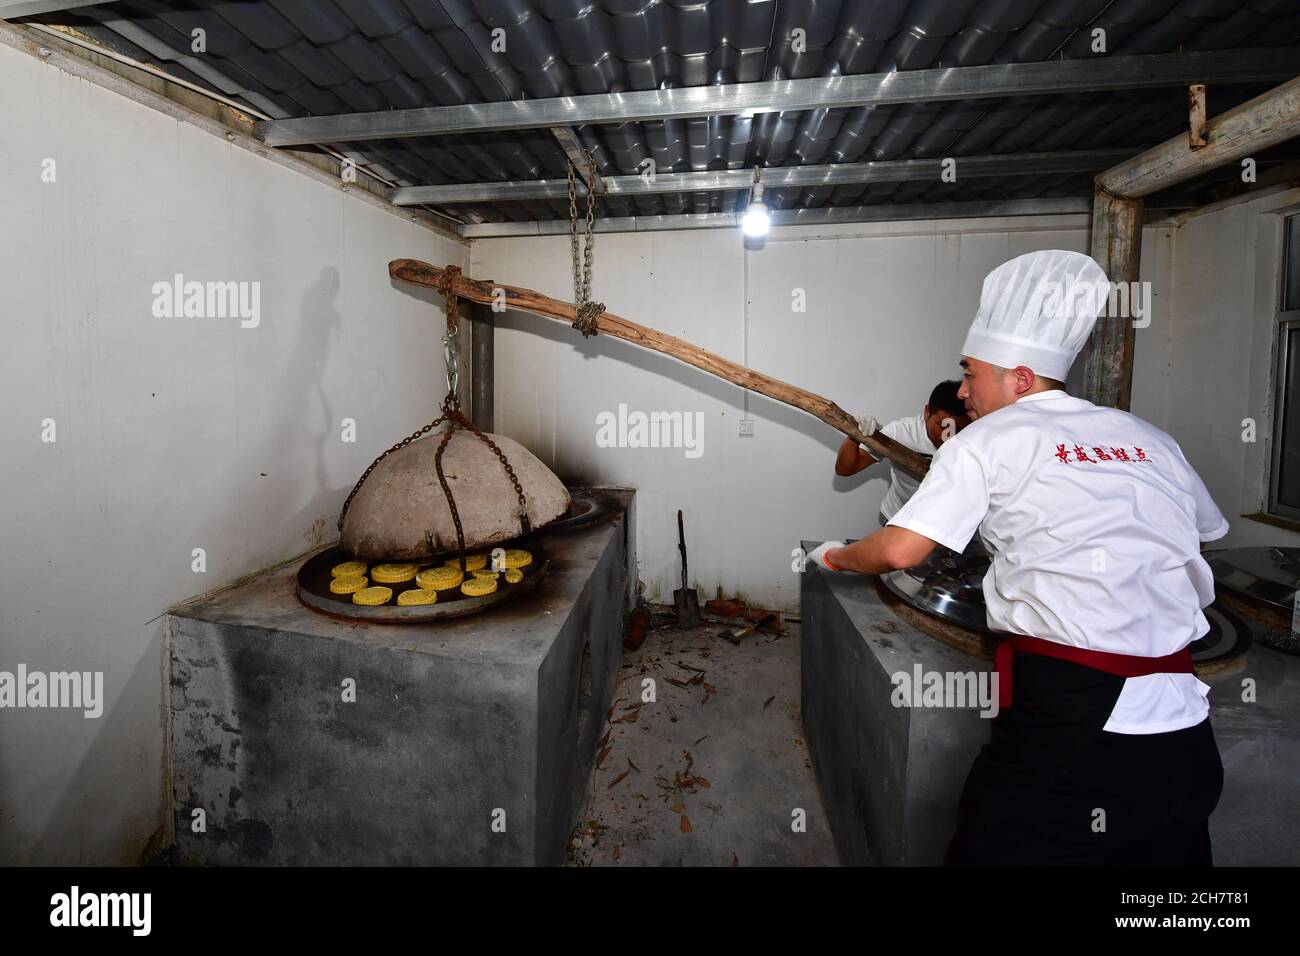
{"points": [[1037, 310]]}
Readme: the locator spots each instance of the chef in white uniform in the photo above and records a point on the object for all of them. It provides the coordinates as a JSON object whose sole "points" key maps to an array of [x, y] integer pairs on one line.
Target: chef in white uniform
{"points": [[1094, 520]]}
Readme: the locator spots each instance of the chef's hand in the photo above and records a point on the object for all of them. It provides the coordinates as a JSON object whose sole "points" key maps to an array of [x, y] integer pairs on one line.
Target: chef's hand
{"points": [[868, 426], [818, 555]]}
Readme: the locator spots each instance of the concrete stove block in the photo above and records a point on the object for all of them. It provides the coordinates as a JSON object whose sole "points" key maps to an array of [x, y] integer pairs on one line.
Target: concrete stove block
{"points": [[890, 777], [470, 741]]}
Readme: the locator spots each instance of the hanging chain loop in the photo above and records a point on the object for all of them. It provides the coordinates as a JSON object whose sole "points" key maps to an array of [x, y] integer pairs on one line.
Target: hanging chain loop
{"points": [[587, 313], [455, 418]]}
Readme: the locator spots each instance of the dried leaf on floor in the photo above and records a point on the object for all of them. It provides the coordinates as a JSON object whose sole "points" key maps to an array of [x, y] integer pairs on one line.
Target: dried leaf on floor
{"points": [[709, 691], [600, 757], [618, 779], [615, 853], [704, 783], [702, 739], [768, 702], [632, 765], [678, 807], [686, 823]]}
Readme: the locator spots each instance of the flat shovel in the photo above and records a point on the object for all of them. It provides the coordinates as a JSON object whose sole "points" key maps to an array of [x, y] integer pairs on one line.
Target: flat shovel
{"points": [[685, 599]]}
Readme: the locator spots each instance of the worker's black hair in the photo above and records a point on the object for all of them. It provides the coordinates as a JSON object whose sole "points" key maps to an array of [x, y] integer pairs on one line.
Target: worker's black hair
{"points": [[944, 399]]}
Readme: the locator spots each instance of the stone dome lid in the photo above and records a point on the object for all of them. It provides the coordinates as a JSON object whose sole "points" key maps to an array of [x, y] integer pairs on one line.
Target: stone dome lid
{"points": [[400, 509]]}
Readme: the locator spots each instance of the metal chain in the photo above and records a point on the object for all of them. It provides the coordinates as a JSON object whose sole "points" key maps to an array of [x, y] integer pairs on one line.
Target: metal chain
{"points": [[451, 500], [401, 444], [524, 524], [586, 312], [579, 291], [452, 414]]}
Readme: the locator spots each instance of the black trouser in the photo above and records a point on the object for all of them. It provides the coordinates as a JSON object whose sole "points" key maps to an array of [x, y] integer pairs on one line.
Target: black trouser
{"points": [[1051, 787]]}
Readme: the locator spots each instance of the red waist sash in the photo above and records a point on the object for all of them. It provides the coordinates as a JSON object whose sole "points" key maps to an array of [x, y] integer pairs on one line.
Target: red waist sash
{"points": [[1121, 665]]}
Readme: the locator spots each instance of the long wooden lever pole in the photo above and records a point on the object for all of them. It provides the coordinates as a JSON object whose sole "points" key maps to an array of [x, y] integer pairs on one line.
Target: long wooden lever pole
{"points": [[422, 273]]}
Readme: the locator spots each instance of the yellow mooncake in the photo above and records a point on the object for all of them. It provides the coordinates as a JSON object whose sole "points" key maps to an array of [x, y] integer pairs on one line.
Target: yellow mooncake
{"points": [[518, 558], [392, 573], [372, 597], [349, 569], [477, 587], [439, 579], [348, 584], [417, 596]]}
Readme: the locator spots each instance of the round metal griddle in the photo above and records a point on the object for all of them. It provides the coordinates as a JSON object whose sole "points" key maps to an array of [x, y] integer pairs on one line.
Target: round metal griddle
{"points": [[1260, 584], [944, 597], [584, 509], [314, 591]]}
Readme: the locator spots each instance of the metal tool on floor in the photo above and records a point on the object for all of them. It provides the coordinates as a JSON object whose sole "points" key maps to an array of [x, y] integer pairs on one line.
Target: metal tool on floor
{"points": [[735, 637], [685, 599]]}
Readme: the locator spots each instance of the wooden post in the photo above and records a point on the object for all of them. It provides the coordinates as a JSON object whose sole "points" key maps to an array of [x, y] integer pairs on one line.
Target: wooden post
{"points": [[1117, 247], [482, 362], [1268, 119]]}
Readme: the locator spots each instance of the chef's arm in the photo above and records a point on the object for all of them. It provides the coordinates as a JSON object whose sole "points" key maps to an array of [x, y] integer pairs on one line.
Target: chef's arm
{"points": [[889, 549], [852, 459]]}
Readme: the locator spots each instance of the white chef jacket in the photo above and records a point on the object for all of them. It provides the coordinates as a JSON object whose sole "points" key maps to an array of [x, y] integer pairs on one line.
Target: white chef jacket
{"points": [[1093, 519], [910, 433]]}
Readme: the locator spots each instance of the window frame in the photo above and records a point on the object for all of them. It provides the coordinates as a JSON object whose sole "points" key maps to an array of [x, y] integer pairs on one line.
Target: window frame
{"points": [[1285, 321]]}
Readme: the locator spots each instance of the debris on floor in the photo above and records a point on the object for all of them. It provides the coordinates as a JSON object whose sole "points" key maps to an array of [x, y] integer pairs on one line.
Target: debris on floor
{"points": [[702, 759]]}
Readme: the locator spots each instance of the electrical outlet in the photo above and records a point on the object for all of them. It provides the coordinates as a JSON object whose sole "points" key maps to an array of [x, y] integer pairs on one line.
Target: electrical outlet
{"points": [[746, 428]]}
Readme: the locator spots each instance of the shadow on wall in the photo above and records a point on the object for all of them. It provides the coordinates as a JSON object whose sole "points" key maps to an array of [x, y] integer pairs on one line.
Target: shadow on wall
{"points": [[307, 404]]}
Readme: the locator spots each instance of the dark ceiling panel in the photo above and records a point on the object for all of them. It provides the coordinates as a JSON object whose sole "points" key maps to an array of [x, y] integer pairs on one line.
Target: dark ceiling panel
{"points": [[319, 57]]}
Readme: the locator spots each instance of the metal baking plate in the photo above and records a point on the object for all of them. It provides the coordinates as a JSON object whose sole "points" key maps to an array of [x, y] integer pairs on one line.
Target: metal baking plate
{"points": [[314, 591]]}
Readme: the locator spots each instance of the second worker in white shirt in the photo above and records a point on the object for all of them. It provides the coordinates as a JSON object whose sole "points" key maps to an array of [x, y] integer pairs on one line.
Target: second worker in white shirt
{"points": [[943, 416], [1103, 752]]}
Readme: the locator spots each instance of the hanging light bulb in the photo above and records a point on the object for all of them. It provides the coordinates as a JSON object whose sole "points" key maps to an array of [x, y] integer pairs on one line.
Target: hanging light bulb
{"points": [[757, 220]]}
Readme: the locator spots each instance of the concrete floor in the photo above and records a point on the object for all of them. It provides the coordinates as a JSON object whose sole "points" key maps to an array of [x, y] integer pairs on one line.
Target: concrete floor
{"points": [[723, 757]]}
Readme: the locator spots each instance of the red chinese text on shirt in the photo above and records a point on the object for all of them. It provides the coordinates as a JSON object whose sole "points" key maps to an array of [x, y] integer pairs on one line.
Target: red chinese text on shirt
{"points": [[1079, 453]]}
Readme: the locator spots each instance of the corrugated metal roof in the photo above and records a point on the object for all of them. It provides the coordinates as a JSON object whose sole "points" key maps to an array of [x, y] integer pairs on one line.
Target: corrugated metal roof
{"points": [[292, 58]]}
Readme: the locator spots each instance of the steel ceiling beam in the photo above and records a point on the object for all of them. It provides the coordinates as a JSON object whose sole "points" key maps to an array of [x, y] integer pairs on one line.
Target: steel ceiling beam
{"points": [[772, 96], [12, 9], [826, 215], [842, 174]]}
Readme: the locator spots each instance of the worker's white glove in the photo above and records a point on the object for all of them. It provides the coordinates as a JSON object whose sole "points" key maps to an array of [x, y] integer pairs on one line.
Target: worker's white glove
{"points": [[867, 425], [818, 555]]}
